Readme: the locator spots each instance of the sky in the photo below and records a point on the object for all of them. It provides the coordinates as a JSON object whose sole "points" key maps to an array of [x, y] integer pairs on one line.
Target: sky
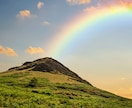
{"points": [[91, 37]]}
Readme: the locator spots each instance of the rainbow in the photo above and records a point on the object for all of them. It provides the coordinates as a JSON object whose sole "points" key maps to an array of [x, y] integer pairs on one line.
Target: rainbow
{"points": [[84, 20]]}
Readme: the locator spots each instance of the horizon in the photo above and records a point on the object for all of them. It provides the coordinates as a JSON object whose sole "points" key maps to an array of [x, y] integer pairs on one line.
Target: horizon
{"points": [[97, 49]]}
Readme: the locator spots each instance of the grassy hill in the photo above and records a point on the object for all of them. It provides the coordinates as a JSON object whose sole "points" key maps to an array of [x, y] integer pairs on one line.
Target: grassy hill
{"points": [[29, 88]]}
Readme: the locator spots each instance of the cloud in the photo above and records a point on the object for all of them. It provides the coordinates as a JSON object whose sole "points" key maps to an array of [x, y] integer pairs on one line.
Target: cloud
{"points": [[90, 9], [25, 14], [34, 50], [124, 3], [40, 5], [93, 9], [78, 2], [45, 23], [7, 51], [113, 6]]}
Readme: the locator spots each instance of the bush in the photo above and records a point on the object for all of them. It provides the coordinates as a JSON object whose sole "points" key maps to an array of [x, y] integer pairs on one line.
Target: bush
{"points": [[33, 82]]}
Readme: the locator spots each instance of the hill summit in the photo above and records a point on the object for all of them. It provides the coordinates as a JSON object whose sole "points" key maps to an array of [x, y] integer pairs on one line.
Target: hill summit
{"points": [[49, 65]]}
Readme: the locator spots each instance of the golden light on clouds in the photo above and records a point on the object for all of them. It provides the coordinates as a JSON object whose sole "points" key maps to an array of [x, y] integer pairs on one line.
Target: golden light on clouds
{"points": [[73, 2], [24, 14], [112, 5], [7, 51], [40, 5], [34, 50]]}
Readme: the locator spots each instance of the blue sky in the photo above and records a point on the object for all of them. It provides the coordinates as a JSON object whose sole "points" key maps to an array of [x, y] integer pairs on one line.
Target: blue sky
{"points": [[101, 55]]}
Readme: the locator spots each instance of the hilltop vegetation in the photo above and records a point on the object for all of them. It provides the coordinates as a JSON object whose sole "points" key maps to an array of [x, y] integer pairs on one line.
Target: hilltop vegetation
{"points": [[36, 89]]}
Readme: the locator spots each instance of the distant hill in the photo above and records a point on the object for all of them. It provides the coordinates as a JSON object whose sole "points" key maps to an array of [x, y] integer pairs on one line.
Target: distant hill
{"points": [[49, 65], [46, 83]]}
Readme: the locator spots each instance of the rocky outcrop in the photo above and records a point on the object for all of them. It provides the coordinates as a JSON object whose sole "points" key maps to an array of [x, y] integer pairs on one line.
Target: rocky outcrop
{"points": [[50, 65]]}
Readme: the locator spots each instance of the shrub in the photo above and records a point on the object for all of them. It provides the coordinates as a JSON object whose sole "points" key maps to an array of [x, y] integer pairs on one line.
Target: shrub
{"points": [[33, 82]]}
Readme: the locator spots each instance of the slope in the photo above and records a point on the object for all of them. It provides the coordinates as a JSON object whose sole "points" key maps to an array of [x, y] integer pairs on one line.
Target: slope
{"points": [[53, 88]]}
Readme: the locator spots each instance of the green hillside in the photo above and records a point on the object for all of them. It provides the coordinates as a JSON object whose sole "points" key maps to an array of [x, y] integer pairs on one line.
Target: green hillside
{"points": [[27, 88]]}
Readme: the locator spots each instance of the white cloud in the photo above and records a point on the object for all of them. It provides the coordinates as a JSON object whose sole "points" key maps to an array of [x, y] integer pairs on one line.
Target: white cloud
{"points": [[40, 5], [25, 14], [34, 50], [45, 23], [7, 51], [74, 2]]}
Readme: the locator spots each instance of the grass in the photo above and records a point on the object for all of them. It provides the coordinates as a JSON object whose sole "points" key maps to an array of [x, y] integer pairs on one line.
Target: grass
{"points": [[53, 93]]}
